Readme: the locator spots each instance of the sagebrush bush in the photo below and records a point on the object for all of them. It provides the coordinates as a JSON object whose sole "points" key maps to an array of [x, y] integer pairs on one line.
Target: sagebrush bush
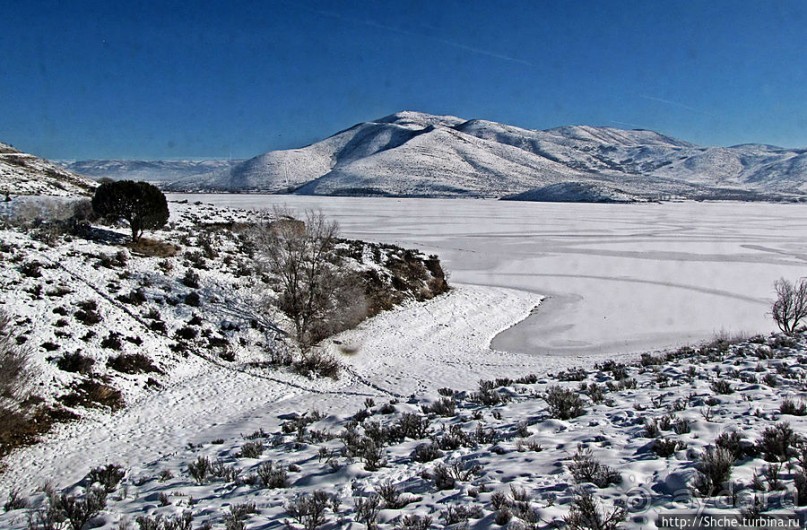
{"points": [[778, 443], [731, 441], [251, 450], [585, 514], [413, 426], [272, 476], [200, 469], [487, 394], [713, 471], [367, 509], [133, 363], [426, 452], [414, 522], [317, 363], [666, 447], [108, 476], [310, 509], [75, 362], [563, 403], [445, 407], [585, 468], [791, 408]]}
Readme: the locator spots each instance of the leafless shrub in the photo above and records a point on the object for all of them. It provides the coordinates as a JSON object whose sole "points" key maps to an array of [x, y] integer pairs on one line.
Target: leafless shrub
{"points": [[488, 395], [367, 509], [773, 476], [458, 513], [315, 362], [800, 481], [15, 368], [572, 374], [682, 426], [181, 521], [15, 501], [585, 514], [75, 362], [721, 386], [78, 510], [241, 511]]}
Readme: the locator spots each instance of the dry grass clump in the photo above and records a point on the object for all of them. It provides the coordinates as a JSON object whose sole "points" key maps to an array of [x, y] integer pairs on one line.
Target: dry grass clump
{"points": [[153, 248]]}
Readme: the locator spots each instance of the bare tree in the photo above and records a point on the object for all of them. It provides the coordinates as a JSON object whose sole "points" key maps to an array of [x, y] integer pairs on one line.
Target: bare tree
{"points": [[790, 306], [318, 296]]}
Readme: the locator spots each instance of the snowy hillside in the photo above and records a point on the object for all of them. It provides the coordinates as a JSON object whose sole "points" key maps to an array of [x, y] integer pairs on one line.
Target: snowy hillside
{"points": [[154, 171], [417, 154], [24, 174], [108, 323]]}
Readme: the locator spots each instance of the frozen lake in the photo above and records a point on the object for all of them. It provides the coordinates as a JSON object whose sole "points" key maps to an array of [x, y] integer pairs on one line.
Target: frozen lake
{"points": [[619, 278]]}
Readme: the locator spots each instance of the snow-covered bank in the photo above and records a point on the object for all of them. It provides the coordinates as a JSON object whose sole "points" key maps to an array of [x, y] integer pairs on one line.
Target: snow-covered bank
{"points": [[420, 347]]}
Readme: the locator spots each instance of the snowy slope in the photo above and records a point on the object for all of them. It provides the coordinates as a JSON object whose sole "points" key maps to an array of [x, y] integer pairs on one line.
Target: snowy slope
{"points": [[25, 174], [418, 154]]}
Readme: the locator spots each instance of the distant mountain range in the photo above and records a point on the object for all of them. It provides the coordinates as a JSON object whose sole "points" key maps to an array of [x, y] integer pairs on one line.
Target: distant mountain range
{"points": [[413, 154], [24, 174], [422, 155], [158, 172]]}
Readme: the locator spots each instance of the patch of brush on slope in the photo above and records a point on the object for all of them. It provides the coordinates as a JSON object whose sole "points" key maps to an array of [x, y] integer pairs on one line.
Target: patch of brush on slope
{"points": [[575, 192], [105, 322], [719, 429]]}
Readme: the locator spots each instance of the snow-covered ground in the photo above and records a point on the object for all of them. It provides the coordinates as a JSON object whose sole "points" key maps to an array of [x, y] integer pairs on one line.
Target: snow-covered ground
{"points": [[496, 454], [620, 278], [449, 335]]}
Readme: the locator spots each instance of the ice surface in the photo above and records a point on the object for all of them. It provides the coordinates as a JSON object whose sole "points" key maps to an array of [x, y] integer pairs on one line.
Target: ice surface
{"points": [[620, 278]]}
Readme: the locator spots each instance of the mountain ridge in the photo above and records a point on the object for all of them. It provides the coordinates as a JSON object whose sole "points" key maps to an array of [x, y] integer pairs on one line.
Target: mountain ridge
{"points": [[415, 154], [412, 153]]}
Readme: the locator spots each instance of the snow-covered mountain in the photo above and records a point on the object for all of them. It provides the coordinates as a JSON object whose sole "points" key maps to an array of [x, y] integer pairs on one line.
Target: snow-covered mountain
{"points": [[154, 171], [417, 154], [24, 174]]}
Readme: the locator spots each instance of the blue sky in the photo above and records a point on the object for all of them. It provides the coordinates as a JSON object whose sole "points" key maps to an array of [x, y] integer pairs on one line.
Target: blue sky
{"points": [[164, 79]]}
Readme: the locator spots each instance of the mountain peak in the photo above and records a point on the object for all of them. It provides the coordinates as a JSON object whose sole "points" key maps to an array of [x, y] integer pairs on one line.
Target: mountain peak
{"points": [[410, 117]]}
